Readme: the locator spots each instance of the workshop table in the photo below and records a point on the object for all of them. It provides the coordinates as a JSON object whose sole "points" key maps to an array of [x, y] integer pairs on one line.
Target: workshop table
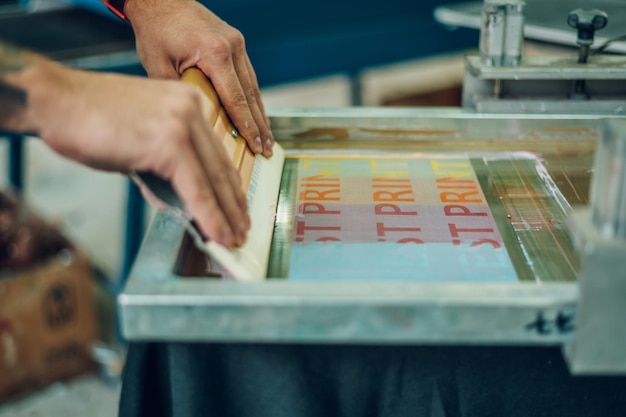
{"points": [[245, 380]]}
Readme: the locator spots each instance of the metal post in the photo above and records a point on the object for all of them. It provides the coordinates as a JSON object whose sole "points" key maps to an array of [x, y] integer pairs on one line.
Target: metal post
{"points": [[134, 228], [356, 93], [16, 161], [599, 345]]}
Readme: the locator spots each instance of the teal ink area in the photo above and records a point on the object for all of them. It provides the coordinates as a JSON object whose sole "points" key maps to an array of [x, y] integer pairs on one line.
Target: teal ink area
{"points": [[432, 262]]}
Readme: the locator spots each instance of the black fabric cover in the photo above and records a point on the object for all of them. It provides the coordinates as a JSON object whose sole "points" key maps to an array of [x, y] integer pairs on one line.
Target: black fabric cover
{"points": [[264, 380]]}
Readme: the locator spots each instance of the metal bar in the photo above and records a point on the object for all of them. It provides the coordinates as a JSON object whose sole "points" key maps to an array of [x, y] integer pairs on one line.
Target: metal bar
{"points": [[356, 89], [601, 67]]}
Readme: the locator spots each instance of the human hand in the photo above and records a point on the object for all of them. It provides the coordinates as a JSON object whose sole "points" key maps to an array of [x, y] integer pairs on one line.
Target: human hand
{"points": [[125, 124], [174, 35]]}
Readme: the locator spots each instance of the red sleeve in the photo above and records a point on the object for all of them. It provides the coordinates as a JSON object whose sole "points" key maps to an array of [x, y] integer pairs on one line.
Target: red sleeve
{"points": [[117, 7]]}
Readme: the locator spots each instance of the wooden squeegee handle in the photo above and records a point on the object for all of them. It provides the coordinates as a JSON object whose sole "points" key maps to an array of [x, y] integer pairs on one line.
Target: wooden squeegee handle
{"points": [[236, 147], [196, 77]]}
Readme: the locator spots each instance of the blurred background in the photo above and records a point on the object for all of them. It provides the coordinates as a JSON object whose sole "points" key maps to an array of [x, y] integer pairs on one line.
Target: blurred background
{"points": [[323, 53]]}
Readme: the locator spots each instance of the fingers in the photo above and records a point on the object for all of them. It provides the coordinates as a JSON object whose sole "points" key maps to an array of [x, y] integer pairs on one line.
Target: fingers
{"points": [[255, 84], [148, 194], [224, 179], [253, 96], [230, 91], [210, 199], [193, 186], [236, 84], [198, 167]]}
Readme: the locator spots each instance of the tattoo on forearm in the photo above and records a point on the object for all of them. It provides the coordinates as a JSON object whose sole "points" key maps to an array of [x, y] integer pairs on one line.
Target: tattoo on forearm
{"points": [[12, 98], [12, 59]]}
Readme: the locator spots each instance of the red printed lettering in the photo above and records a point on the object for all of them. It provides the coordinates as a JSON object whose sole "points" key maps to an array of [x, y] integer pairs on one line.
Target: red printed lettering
{"points": [[302, 228], [317, 195], [458, 210], [392, 209], [316, 208], [411, 240], [454, 231], [394, 195], [328, 239], [492, 242], [381, 230], [466, 197]]}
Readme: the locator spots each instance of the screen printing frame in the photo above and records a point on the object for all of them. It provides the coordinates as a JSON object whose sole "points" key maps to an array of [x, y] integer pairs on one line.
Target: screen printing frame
{"points": [[158, 304]]}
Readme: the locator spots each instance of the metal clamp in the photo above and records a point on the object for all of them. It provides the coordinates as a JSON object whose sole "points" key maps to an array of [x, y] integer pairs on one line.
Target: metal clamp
{"points": [[599, 345], [502, 32]]}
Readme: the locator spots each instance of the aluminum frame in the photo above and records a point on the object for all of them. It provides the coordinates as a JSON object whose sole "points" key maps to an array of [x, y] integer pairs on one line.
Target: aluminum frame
{"points": [[157, 304]]}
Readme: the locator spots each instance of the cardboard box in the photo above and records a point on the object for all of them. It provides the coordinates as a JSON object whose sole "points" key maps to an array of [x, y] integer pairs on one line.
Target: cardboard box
{"points": [[48, 319]]}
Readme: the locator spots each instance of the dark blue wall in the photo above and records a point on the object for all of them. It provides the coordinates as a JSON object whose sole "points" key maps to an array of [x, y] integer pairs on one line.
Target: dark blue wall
{"points": [[294, 39], [290, 40]]}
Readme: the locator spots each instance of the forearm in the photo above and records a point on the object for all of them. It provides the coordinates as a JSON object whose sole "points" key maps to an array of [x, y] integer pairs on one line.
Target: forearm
{"points": [[138, 10], [130, 9]]}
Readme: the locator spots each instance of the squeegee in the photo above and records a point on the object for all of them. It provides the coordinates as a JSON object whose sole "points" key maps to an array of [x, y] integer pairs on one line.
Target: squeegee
{"points": [[260, 177]]}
